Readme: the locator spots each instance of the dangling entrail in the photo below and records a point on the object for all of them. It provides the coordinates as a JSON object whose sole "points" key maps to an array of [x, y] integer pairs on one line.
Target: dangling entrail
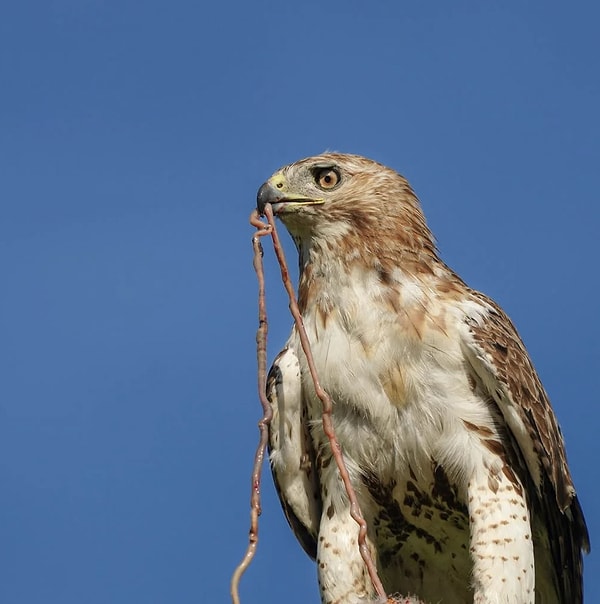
{"points": [[261, 342]]}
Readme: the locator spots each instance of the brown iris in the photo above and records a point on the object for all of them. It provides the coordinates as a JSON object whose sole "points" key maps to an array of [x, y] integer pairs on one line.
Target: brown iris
{"points": [[327, 178]]}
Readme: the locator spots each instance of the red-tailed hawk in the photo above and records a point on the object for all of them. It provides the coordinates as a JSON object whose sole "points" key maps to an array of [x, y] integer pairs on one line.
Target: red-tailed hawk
{"points": [[449, 438]]}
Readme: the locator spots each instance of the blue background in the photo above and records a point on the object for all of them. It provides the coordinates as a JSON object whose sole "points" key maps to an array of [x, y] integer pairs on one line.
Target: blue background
{"points": [[133, 138]]}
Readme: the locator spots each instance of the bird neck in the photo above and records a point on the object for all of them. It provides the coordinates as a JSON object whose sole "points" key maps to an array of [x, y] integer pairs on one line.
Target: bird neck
{"points": [[329, 266]]}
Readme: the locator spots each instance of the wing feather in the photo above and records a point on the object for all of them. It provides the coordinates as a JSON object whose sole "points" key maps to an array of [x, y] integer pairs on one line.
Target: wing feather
{"points": [[291, 451], [500, 364]]}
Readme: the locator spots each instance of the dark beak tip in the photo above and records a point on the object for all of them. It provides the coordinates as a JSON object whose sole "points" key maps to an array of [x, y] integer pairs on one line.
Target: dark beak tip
{"points": [[266, 194]]}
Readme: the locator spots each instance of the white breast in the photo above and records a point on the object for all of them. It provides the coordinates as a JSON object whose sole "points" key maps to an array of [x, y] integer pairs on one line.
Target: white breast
{"points": [[396, 375]]}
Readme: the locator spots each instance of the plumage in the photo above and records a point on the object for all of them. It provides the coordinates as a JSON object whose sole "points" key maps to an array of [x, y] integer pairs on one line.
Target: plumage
{"points": [[449, 437]]}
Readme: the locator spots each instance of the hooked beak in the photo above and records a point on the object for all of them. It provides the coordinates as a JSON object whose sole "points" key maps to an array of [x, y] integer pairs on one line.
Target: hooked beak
{"points": [[280, 200]]}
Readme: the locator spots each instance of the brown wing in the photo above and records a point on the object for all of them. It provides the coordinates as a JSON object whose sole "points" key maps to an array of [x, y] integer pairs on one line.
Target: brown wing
{"points": [[500, 363], [291, 451]]}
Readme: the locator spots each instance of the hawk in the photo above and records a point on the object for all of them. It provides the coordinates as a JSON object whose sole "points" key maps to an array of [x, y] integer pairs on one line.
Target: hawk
{"points": [[448, 435]]}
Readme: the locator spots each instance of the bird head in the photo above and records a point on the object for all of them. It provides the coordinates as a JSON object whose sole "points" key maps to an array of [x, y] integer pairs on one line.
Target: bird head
{"points": [[346, 199]]}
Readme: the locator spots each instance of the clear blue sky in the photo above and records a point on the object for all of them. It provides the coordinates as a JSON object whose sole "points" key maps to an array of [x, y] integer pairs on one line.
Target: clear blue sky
{"points": [[133, 138]]}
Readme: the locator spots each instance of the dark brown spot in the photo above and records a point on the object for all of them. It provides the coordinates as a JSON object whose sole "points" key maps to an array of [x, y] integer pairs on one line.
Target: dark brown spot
{"points": [[481, 430], [494, 446]]}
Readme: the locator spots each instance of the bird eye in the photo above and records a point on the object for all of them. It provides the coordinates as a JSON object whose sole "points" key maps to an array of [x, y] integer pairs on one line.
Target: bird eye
{"points": [[327, 178]]}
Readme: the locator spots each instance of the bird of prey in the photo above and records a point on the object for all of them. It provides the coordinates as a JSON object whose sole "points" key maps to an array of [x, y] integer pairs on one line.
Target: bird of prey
{"points": [[449, 438]]}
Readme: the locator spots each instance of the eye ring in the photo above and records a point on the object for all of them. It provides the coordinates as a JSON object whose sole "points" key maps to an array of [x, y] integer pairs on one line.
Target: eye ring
{"points": [[327, 178]]}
